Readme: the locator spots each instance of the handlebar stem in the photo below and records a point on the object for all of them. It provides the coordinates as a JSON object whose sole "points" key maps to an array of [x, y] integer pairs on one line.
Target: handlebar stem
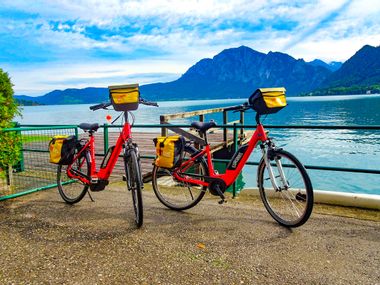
{"points": [[257, 119]]}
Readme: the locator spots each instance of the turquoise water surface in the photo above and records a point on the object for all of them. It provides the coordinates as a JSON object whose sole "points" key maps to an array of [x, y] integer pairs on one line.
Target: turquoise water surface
{"points": [[345, 148]]}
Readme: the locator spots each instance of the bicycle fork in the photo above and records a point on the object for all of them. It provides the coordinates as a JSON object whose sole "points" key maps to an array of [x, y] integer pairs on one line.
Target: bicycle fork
{"points": [[267, 151], [128, 149]]}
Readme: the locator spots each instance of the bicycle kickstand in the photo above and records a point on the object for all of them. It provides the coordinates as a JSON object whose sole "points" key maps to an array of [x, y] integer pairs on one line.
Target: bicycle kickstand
{"points": [[88, 192], [221, 195]]}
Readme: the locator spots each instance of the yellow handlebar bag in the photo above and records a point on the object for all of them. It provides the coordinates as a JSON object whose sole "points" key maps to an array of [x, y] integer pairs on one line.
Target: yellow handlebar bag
{"points": [[62, 149], [125, 97], [169, 151], [268, 100]]}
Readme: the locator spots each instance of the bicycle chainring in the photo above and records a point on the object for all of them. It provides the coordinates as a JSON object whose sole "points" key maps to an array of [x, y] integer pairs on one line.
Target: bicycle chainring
{"points": [[217, 184]]}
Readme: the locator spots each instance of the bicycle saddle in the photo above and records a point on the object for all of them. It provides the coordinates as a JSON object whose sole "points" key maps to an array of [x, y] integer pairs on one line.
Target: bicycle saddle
{"points": [[89, 127], [203, 127]]}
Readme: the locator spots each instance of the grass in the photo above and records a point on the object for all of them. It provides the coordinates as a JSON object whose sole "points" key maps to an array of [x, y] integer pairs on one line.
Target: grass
{"points": [[35, 138]]}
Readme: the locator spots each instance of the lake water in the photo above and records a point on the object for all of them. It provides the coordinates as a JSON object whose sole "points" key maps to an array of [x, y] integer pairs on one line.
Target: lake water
{"points": [[343, 148]]}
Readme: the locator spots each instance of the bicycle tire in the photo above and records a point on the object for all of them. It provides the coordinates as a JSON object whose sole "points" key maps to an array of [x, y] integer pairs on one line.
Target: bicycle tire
{"points": [[173, 194], [290, 207], [134, 184], [73, 190]]}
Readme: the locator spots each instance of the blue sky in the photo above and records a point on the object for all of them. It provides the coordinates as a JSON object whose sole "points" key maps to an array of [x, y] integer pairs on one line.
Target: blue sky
{"points": [[47, 45]]}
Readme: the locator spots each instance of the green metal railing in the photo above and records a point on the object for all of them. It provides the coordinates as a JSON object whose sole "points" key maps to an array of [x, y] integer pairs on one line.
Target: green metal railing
{"points": [[35, 173]]}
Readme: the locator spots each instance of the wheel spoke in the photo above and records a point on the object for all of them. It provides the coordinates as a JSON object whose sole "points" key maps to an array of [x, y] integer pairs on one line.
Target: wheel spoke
{"points": [[179, 195], [73, 190]]}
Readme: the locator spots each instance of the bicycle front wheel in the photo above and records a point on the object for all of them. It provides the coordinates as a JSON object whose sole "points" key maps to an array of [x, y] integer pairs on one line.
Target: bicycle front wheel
{"points": [[177, 195], [73, 190], [134, 181], [291, 203]]}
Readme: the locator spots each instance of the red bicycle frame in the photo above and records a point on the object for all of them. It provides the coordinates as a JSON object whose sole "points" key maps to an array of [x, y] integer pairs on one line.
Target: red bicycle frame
{"points": [[103, 173], [231, 174]]}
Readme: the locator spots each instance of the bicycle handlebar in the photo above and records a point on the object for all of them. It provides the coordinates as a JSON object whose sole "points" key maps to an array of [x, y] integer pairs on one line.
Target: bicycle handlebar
{"points": [[148, 103], [237, 108], [100, 106], [107, 104]]}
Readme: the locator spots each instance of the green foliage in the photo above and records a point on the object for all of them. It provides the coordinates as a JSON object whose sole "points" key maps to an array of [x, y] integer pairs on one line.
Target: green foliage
{"points": [[10, 142], [351, 90]]}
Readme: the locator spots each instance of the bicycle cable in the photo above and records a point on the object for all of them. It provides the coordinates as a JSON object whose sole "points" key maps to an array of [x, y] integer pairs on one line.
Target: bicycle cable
{"points": [[133, 118]]}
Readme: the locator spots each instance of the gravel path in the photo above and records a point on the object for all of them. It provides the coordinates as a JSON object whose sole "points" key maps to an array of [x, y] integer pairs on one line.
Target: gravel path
{"points": [[45, 241]]}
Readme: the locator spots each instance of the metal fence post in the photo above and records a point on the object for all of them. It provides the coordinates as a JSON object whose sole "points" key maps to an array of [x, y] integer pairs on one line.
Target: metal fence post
{"points": [[76, 132], [105, 136], [20, 166], [235, 149], [225, 130], [242, 126]]}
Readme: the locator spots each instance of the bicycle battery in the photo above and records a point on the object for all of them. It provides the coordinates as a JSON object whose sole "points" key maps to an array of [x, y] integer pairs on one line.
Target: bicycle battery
{"points": [[234, 162], [107, 157]]}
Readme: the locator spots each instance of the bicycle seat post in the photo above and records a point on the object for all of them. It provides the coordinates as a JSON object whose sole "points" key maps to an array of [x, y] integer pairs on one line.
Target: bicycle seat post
{"points": [[204, 135]]}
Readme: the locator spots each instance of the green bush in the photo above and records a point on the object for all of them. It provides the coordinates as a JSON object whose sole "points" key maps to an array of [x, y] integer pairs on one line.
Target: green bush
{"points": [[10, 143]]}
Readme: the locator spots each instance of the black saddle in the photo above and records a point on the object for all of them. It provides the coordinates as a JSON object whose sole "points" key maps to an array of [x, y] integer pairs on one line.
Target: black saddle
{"points": [[203, 127], [89, 127]]}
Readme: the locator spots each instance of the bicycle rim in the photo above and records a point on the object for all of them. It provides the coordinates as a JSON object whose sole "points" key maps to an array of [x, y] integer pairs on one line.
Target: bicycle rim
{"points": [[134, 184], [291, 204], [73, 190], [178, 195]]}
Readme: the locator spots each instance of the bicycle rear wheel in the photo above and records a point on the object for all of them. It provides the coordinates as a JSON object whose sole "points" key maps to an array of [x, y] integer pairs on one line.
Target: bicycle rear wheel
{"points": [[73, 190], [134, 183], [177, 195], [292, 203]]}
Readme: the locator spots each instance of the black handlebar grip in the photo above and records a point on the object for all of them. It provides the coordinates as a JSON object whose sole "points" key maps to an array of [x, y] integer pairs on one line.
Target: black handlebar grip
{"points": [[100, 106], [148, 103]]}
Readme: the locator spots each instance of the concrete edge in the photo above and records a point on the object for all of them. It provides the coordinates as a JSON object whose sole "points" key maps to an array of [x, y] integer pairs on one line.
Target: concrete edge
{"points": [[366, 201]]}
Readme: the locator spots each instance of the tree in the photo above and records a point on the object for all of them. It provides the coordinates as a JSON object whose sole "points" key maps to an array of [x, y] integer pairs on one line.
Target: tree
{"points": [[10, 143]]}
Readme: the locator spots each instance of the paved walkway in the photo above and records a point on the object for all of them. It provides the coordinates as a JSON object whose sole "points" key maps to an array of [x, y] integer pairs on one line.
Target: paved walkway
{"points": [[44, 241]]}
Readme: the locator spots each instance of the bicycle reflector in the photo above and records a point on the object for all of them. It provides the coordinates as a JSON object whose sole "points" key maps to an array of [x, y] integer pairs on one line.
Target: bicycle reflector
{"points": [[125, 97], [109, 118]]}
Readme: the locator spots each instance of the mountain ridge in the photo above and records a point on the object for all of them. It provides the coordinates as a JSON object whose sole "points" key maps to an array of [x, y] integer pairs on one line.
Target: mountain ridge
{"points": [[236, 73]]}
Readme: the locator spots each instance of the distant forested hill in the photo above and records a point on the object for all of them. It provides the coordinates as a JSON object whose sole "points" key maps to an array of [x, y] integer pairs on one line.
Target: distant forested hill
{"points": [[359, 74]]}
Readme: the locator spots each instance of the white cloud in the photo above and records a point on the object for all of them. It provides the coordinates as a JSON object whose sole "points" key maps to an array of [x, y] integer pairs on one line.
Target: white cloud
{"points": [[47, 77], [183, 31]]}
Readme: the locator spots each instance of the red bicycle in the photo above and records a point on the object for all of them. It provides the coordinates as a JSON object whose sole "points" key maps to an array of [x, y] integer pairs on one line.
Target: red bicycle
{"points": [[75, 179], [284, 185]]}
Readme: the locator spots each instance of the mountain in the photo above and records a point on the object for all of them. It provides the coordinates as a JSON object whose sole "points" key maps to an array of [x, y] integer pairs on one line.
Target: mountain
{"points": [[70, 96], [237, 72], [332, 66], [233, 73], [362, 69]]}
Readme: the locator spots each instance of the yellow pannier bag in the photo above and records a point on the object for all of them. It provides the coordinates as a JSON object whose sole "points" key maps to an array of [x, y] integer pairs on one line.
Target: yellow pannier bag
{"points": [[125, 97], [62, 149], [268, 100], [169, 151]]}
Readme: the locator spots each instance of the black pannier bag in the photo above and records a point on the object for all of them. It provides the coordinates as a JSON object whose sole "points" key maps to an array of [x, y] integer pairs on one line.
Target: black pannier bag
{"points": [[268, 100], [62, 149]]}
